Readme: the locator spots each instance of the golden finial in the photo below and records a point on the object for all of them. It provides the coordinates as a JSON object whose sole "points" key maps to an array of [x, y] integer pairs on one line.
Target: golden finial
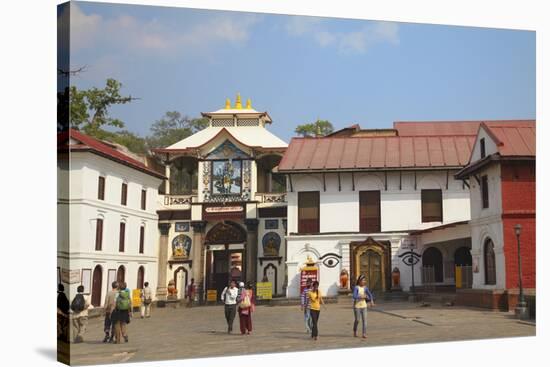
{"points": [[227, 104], [238, 104], [248, 104]]}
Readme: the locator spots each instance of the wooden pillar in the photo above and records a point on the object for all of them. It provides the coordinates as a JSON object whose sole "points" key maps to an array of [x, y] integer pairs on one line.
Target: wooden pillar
{"points": [[167, 174], [162, 291], [251, 249], [198, 256]]}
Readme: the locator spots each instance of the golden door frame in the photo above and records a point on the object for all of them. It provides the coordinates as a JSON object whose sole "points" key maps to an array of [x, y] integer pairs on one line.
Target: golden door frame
{"points": [[383, 249]]}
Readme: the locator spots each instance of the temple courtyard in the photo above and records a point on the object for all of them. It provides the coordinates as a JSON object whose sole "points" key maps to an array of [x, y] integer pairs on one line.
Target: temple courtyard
{"points": [[175, 333]]}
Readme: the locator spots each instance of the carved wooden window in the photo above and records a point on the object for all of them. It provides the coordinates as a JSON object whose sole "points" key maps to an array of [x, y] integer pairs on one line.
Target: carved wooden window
{"points": [[143, 199], [141, 239], [432, 206], [308, 212], [369, 211]]}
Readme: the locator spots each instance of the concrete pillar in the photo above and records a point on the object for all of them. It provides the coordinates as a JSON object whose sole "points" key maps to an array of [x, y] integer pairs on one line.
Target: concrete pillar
{"points": [[162, 290], [251, 249], [198, 256]]}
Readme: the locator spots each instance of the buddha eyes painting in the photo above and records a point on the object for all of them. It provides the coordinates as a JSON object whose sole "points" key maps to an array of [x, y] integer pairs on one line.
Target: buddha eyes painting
{"points": [[226, 177]]}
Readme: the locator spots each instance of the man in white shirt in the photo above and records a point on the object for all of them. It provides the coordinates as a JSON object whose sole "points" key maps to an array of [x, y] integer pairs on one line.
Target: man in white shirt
{"points": [[229, 298], [79, 309], [146, 300]]}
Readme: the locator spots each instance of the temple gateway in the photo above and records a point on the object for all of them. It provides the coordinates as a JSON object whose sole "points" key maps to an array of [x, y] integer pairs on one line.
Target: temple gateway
{"points": [[222, 215]]}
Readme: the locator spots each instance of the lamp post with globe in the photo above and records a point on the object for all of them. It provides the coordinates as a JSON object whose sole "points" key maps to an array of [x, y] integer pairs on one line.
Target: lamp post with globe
{"points": [[521, 306]]}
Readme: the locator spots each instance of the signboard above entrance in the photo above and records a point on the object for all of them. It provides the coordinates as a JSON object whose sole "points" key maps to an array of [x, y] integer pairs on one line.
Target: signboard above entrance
{"points": [[222, 212]]}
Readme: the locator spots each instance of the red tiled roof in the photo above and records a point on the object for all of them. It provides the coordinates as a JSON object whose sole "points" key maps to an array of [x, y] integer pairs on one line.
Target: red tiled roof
{"points": [[349, 153], [87, 143], [513, 138]]}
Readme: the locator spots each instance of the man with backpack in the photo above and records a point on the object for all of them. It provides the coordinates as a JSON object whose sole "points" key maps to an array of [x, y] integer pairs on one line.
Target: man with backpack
{"points": [[79, 308], [109, 307], [122, 313], [146, 300]]}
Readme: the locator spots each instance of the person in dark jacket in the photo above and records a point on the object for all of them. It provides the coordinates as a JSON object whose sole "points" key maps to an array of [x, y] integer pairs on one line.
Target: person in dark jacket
{"points": [[63, 306]]}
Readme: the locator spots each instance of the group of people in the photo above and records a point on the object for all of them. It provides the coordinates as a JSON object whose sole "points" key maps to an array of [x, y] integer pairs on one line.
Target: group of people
{"points": [[312, 299], [239, 300], [117, 308]]}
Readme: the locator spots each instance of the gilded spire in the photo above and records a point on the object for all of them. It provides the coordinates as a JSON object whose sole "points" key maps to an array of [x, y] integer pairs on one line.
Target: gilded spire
{"points": [[248, 104], [227, 104], [238, 104]]}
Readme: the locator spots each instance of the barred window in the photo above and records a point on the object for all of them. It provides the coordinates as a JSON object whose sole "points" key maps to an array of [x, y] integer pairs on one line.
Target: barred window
{"points": [[223, 122], [308, 212], [432, 206], [248, 122]]}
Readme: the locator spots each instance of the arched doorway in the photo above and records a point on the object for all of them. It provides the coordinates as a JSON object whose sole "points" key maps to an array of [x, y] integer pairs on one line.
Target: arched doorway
{"points": [[180, 278], [225, 255], [432, 258], [97, 280], [270, 272], [121, 274], [140, 277], [489, 262]]}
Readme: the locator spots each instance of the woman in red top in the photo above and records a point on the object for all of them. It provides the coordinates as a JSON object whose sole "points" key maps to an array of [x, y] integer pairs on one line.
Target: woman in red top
{"points": [[246, 307]]}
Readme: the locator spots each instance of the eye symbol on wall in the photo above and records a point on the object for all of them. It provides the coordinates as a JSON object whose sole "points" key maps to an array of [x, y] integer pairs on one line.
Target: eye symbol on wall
{"points": [[331, 259], [410, 258]]}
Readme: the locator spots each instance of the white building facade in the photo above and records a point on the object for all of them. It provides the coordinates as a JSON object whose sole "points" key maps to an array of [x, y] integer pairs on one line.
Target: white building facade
{"points": [[107, 218], [357, 202]]}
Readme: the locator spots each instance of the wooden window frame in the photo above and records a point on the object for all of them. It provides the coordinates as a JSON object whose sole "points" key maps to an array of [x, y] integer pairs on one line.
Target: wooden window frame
{"points": [[122, 237], [99, 234], [318, 223], [484, 192], [124, 194], [143, 199], [141, 239], [364, 223], [101, 188], [426, 218], [482, 148]]}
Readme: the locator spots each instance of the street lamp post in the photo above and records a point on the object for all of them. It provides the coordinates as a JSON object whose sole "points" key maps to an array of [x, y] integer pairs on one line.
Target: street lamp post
{"points": [[521, 306]]}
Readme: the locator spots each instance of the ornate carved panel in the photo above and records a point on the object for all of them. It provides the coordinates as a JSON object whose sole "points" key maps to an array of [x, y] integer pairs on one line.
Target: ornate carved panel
{"points": [[225, 233]]}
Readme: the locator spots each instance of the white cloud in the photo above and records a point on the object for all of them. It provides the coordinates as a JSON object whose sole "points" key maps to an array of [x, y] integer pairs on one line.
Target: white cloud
{"points": [[127, 32], [358, 41]]}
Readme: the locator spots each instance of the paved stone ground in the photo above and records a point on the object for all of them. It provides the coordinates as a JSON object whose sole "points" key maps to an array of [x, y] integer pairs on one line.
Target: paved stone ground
{"points": [[201, 331]]}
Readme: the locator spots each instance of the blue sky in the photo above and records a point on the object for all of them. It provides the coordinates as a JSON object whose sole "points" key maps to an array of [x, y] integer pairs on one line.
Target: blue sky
{"points": [[301, 68]]}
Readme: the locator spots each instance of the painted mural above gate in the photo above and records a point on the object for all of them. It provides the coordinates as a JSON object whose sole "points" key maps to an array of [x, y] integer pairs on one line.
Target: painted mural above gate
{"points": [[227, 150]]}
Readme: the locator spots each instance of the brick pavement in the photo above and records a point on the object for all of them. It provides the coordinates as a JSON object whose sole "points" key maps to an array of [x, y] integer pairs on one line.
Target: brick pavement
{"points": [[201, 331]]}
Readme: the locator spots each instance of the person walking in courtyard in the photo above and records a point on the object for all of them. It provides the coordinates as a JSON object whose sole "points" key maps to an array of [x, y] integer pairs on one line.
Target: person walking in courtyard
{"points": [[229, 298], [315, 302], [109, 307], [246, 307], [190, 293], [304, 304], [63, 307], [79, 308], [122, 313], [146, 300], [361, 295]]}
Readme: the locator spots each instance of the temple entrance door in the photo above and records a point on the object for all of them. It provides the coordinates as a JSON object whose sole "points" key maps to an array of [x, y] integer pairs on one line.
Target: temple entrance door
{"points": [[226, 265], [371, 259], [370, 265]]}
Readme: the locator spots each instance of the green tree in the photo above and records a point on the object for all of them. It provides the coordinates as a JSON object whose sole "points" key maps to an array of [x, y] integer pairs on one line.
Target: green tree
{"points": [[89, 109], [173, 127], [132, 141], [317, 128]]}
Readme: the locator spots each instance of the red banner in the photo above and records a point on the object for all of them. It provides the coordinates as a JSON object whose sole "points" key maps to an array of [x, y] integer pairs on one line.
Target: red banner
{"points": [[306, 274]]}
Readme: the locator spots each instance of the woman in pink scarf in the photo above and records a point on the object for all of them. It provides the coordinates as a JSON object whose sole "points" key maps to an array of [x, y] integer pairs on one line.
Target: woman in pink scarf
{"points": [[246, 307]]}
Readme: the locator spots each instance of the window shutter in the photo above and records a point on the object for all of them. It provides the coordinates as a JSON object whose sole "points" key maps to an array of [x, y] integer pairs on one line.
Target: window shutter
{"points": [[308, 212], [99, 234], [101, 188], [124, 194], [121, 237], [369, 211], [432, 206], [141, 239]]}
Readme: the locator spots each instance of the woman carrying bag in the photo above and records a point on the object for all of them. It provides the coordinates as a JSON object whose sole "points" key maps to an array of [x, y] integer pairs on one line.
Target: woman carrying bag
{"points": [[246, 307], [361, 295]]}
